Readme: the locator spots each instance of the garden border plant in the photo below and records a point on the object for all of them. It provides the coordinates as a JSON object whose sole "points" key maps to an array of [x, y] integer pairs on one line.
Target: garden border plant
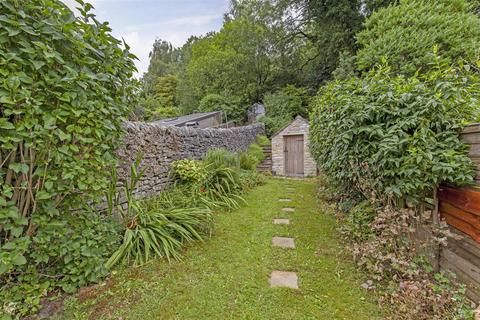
{"points": [[385, 142], [66, 89]]}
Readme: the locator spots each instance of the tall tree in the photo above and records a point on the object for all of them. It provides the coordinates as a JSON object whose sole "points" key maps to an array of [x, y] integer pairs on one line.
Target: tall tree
{"points": [[163, 61]]}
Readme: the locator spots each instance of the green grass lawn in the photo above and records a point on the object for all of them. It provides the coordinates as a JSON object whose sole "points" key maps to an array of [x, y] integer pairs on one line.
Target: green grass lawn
{"points": [[226, 277]]}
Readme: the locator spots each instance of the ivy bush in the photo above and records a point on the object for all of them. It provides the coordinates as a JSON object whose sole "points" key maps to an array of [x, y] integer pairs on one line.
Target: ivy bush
{"points": [[395, 136], [65, 90]]}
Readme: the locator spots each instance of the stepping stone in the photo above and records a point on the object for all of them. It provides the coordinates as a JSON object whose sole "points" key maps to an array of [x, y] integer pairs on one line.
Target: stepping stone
{"points": [[281, 221], [285, 200], [288, 243], [283, 279], [288, 209]]}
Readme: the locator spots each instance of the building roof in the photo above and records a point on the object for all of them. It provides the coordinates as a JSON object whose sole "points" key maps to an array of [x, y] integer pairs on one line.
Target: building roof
{"points": [[181, 121], [297, 118]]}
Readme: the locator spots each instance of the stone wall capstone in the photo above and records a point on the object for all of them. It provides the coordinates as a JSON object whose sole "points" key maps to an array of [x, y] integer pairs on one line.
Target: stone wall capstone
{"points": [[161, 145]]}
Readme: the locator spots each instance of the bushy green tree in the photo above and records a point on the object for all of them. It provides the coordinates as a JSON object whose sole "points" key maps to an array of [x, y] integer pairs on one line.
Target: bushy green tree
{"points": [[214, 102], [392, 136], [406, 33], [282, 106], [164, 59], [66, 89]]}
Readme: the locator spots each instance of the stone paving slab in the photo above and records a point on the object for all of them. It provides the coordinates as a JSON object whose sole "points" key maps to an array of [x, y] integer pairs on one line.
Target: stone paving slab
{"points": [[283, 279], [288, 209], [282, 242], [281, 221]]}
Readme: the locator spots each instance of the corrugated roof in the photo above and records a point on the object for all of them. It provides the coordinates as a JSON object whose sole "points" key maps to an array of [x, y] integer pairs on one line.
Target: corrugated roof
{"points": [[180, 121]]}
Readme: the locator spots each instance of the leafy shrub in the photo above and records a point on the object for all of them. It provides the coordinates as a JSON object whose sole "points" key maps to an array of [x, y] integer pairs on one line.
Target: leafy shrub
{"points": [[250, 179], [216, 102], [287, 102], [220, 187], [406, 33], [67, 88], [256, 151], [154, 232], [263, 140], [274, 124], [250, 159], [358, 220], [392, 136], [69, 253], [221, 158], [188, 170]]}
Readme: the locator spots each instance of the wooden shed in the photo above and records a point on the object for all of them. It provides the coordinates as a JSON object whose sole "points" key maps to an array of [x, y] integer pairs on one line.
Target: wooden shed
{"points": [[290, 152]]}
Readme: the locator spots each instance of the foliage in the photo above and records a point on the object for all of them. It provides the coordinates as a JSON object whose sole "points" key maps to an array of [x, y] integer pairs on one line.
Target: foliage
{"points": [[379, 239], [66, 87], [406, 33], [70, 253], [396, 135], [274, 124], [250, 159], [221, 158], [256, 151], [250, 179], [217, 181], [215, 102], [154, 232], [207, 277], [287, 103], [163, 59], [263, 140], [153, 109], [220, 188], [346, 68], [189, 170], [166, 90]]}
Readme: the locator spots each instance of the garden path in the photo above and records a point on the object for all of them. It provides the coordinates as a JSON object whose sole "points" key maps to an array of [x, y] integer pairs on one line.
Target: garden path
{"points": [[229, 275]]}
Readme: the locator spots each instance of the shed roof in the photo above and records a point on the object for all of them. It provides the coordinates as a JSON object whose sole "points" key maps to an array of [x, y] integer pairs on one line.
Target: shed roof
{"points": [[180, 121], [297, 118]]}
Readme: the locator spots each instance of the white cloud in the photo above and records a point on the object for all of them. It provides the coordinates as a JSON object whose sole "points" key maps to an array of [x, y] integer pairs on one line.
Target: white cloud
{"points": [[140, 37]]}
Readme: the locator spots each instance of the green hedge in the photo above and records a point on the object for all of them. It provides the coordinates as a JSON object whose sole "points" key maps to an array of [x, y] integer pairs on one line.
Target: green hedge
{"points": [[65, 90], [394, 137]]}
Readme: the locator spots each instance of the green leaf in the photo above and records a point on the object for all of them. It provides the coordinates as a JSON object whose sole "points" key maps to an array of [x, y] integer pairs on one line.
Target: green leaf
{"points": [[19, 167], [5, 124], [43, 195], [19, 260]]}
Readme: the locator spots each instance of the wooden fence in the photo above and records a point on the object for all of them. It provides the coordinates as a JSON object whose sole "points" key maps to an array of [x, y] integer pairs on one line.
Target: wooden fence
{"points": [[460, 209]]}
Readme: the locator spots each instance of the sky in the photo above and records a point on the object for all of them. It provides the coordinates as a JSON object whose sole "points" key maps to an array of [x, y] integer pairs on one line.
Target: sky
{"points": [[140, 22]]}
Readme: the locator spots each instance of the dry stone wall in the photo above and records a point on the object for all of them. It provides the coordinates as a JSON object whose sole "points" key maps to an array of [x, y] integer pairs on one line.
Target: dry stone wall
{"points": [[162, 145]]}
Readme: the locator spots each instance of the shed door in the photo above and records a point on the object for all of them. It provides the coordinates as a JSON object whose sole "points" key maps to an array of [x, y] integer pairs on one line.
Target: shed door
{"points": [[293, 155]]}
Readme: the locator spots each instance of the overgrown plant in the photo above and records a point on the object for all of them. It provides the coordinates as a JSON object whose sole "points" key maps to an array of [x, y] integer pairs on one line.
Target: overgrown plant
{"points": [[380, 240], [396, 136], [151, 230], [66, 89], [386, 142]]}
